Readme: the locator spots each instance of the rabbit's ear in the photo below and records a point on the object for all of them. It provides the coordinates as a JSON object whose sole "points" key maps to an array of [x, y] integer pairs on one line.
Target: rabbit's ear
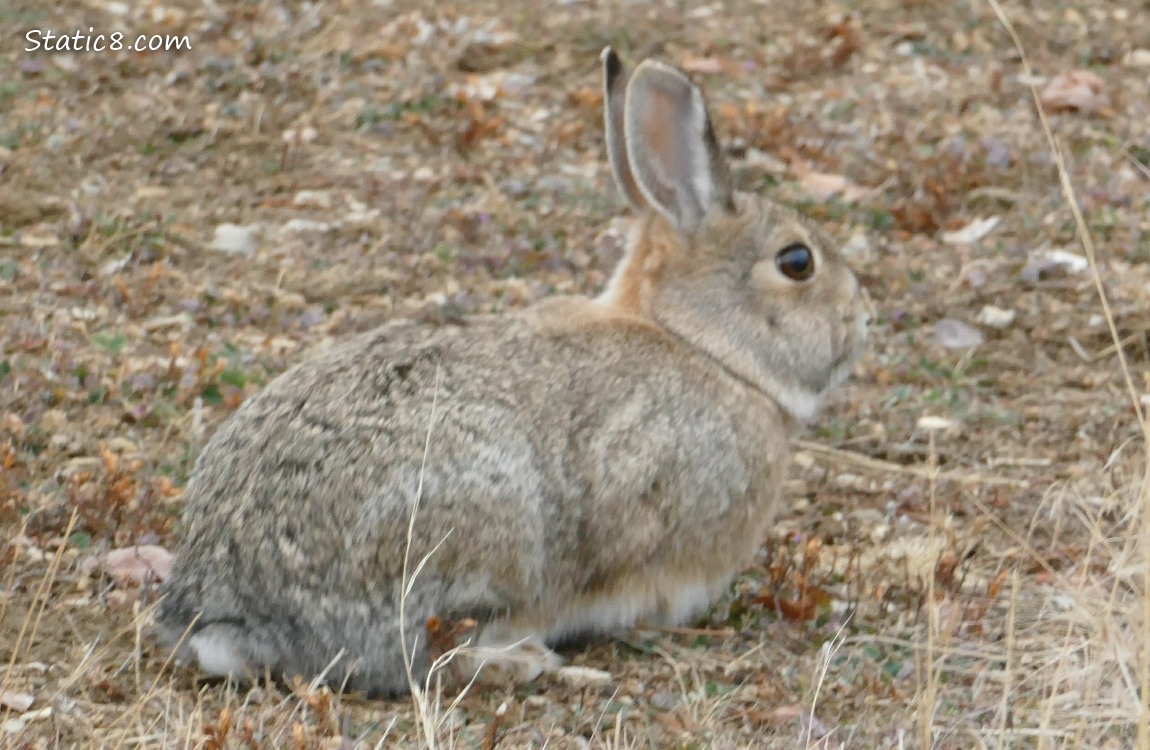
{"points": [[675, 158], [614, 89]]}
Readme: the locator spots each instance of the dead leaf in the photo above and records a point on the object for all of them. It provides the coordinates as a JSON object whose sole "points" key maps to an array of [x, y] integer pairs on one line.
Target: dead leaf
{"points": [[145, 563], [929, 423], [445, 635], [823, 186], [1072, 262], [845, 40], [972, 232], [1078, 90], [785, 713], [38, 240], [1043, 262], [954, 334], [115, 266], [995, 586], [996, 317], [587, 99], [18, 702], [16, 725], [807, 607], [488, 55], [704, 65]]}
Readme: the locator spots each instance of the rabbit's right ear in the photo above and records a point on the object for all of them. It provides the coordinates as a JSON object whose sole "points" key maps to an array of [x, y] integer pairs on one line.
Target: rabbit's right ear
{"points": [[674, 155], [614, 91]]}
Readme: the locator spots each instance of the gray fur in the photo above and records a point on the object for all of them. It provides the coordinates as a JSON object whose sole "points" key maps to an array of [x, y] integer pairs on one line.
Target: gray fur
{"points": [[590, 463]]}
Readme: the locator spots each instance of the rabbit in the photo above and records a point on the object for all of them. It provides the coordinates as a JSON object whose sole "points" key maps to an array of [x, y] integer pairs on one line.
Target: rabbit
{"points": [[567, 470]]}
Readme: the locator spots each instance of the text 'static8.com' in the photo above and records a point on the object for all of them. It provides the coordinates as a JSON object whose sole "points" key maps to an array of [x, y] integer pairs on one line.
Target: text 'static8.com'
{"points": [[94, 41]]}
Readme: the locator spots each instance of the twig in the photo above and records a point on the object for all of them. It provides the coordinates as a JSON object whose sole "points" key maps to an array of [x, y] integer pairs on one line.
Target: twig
{"points": [[705, 632], [992, 193], [879, 466], [1137, 164], [491, 737], [1114, 347]]}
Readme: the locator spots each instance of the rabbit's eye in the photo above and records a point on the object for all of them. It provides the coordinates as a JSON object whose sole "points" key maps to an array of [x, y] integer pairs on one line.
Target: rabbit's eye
{"points": [[796, 262]]}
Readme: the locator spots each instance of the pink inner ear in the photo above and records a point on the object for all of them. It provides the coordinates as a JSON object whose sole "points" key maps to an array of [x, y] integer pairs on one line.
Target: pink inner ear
{"points": [[659, 119], [656, 123]]}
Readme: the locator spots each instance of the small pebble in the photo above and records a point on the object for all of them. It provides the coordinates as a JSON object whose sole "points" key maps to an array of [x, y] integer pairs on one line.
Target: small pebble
{"points": [[312, 199], [233, 238], [955, 334], [995, 317]]}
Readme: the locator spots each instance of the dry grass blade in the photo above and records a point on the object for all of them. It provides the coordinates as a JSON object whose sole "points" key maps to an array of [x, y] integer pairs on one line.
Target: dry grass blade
{"points": [[1069, 194], [30, 625], [1087, 241], [696, 632], [423, 708], [826, 655], [878, 466]]}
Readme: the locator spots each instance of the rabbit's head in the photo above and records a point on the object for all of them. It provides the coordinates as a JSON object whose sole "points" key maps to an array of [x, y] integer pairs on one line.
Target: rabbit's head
{"points": [[749, 282]]}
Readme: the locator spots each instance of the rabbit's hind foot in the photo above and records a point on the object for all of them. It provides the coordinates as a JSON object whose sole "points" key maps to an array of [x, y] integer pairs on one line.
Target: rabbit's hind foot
{"points": [[501, 659]]}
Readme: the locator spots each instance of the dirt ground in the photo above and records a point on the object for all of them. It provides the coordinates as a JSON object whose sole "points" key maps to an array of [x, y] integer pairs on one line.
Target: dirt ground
{"points": [[958, 564]]}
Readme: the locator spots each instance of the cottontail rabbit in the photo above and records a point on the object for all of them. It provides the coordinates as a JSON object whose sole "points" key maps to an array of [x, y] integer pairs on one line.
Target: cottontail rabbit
{"points": [[579, 466]]}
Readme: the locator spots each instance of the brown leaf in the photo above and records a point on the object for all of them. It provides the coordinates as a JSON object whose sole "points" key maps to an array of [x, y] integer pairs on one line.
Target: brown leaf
{"points": [[845, 39], [444, 635], [587, 99], [477, 126], [823, 186], [704, 65], [807, 607], [995, 586], [1078, 90], [915, 217], [786, 713]]}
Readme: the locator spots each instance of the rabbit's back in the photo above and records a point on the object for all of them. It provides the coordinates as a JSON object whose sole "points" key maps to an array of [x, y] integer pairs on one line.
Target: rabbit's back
{"points": [[573, 453], [548, 417]]}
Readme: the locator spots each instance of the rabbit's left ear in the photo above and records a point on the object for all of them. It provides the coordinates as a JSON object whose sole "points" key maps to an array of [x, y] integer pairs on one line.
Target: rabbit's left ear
{"points": [[614, 90], [671, 147]]}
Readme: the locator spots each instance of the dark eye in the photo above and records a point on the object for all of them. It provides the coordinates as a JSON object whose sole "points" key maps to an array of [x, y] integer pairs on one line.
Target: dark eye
{"points": [[796, 262]]}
